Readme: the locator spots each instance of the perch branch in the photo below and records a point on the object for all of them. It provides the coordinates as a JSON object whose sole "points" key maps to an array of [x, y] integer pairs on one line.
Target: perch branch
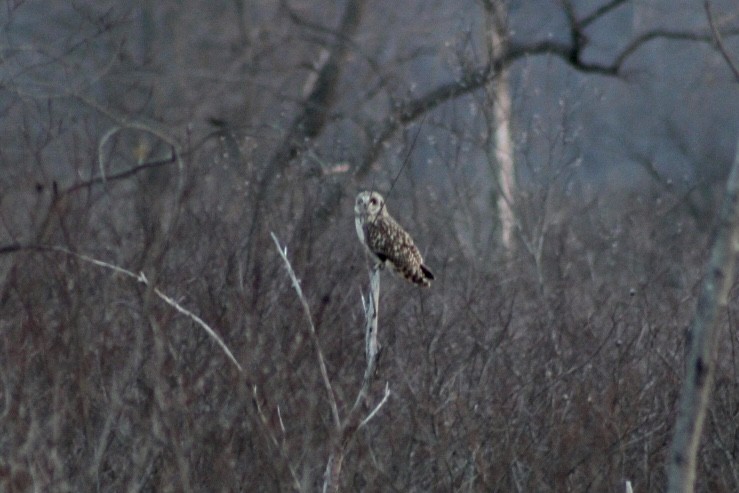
{"points": [[354, 421], [372, 347]]}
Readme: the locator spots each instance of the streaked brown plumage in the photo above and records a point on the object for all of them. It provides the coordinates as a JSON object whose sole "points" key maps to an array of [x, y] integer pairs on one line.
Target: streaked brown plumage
{"points": [[386, 241]]}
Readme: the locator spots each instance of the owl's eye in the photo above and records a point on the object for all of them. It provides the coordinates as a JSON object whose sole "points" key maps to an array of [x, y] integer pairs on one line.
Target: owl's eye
{"points": [[373, 201]]}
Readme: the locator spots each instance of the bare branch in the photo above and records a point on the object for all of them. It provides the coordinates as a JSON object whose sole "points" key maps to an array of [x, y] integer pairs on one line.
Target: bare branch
{"points": [[121, 174], [312, 117], [273, 439], [140, 277], [346, 429], [372, 347], [312, 330], [646, 37], [201, 323], [718, 39], [477, 78], [11, 247]]}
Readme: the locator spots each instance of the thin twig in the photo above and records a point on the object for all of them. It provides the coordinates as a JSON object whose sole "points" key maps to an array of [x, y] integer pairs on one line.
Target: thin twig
{"points": [[372, 413], [200, 322], [275, 442], [313, 334], [408, 155], [282, 423], [155, 163]]}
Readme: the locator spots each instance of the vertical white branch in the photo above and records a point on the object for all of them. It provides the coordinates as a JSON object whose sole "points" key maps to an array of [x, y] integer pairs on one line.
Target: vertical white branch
{"points": [[354, 421], [372, 347], [371, 313]]}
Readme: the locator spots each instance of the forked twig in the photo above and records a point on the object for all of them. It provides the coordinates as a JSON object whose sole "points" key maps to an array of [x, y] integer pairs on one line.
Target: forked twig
{"points": [[140, 277]]}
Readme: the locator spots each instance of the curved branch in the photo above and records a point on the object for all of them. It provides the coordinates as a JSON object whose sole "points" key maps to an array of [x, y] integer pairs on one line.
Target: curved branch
{"points": [[477, 78]]}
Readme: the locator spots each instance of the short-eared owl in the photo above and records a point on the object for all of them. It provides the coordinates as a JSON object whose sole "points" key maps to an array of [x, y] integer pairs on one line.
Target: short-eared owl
{"points": [[386, 241]]}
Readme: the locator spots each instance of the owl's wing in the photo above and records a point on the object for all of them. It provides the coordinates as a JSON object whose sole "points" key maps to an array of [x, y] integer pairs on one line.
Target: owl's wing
{"points": [[387, 239], [393, 242], [390, 243]]}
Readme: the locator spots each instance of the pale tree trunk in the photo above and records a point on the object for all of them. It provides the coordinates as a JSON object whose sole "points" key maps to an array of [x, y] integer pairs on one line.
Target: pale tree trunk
{"points": [[702, 338], [499, 94], [504, 157], [695, 394]]}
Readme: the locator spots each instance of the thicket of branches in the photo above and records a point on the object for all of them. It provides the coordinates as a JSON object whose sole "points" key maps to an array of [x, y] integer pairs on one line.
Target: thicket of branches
{"points": [[552, 366]]}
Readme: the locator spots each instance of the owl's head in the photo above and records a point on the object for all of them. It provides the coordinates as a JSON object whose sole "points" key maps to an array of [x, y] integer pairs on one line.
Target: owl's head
{"points": [[369, 204]]}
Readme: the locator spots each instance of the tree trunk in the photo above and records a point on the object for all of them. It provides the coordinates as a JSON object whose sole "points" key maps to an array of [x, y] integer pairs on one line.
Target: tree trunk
{"points": [[499, 94]]}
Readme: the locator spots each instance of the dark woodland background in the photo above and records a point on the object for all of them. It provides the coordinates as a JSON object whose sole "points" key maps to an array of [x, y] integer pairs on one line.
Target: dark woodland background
{"points": [[170, 138]]}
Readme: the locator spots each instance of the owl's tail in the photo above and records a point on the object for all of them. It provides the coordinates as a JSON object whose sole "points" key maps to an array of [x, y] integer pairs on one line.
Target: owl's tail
{"points": [[417, 274], [424, 277]]}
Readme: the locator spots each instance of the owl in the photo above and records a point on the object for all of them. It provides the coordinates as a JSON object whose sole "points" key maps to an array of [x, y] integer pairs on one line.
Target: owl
{"points": [[386, 241]]}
